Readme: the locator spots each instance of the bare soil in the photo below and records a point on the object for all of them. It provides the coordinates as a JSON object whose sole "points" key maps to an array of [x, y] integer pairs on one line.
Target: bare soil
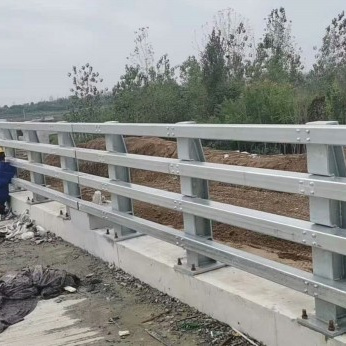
{"points": [[291, 205], [116, 301]]}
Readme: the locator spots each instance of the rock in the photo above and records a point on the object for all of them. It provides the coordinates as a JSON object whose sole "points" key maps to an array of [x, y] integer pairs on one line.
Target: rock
{"points": [[123, 332], [89, 275], [40, 241], [95, 281], [41, 231], [27, 235], [70, 289], [90, 288]]}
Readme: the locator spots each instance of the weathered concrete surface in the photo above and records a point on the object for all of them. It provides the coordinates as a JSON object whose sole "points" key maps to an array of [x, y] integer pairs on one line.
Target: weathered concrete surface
{"points": [[49, 325], [258, 307]]}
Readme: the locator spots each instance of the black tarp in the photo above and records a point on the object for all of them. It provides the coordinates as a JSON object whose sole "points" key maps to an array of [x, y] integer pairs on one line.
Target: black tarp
{"points": [[20, 291]]}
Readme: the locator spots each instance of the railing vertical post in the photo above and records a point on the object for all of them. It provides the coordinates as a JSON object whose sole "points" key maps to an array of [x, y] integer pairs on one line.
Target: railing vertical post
{"points": [[65, 139], [116, 143], [7, 134], [37, 178], [326, 160], [191, 150]]}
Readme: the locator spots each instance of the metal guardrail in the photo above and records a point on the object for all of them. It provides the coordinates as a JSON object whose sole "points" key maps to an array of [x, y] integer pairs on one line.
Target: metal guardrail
{"points": [[325, 185]]}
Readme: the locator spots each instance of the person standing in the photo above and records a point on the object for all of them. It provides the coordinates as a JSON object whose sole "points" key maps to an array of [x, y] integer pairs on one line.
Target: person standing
{"points": [[7, 172]]}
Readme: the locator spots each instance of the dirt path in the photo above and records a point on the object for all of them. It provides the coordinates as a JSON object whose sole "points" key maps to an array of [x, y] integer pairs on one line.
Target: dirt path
{"points": [[116, 301]]}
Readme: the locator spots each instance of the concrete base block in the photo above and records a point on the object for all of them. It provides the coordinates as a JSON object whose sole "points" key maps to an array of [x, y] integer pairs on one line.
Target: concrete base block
{"points": [[91, 222], [262, 309]]}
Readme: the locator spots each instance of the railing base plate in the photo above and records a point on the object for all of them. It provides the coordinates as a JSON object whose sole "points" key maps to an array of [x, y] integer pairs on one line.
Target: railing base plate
{"points": [[65, 218], [38, 202], [111, 235], [184, 269], [322, 327]]}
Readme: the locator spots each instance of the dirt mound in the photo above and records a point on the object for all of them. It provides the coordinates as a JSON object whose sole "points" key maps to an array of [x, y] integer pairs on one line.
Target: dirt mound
{"points": [[153, 146], [294, 163]]}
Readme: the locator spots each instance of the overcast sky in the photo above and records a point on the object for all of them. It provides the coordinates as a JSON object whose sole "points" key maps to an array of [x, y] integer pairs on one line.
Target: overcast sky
{"points": [[40, 40]]}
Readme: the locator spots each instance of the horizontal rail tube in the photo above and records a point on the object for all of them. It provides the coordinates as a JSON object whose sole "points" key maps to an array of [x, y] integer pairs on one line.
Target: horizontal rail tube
{"points": [[298, 134], [51, 171], [145, 162], [36, 126], [46, 192], [38, 147], [299, 231], [275, 180], [328, 290]]}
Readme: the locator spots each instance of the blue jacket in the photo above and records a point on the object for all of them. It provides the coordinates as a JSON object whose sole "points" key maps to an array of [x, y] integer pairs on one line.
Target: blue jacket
{"points": [[7, 172]]}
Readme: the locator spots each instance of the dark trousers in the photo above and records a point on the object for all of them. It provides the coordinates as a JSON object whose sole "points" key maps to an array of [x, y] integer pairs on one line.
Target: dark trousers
{"points": [[2, 205]]}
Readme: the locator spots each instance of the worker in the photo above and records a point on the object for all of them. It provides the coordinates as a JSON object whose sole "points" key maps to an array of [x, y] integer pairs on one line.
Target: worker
{"points": [[7, 172]]}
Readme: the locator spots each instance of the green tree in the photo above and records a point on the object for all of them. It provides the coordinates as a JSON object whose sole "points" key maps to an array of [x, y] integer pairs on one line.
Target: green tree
{"points": [[332, 53], [193, 89], [148, 92], [85, 102], [215, 72], [236, 38], [263, 103], [277, 58], [328, 77], [143, 53]]}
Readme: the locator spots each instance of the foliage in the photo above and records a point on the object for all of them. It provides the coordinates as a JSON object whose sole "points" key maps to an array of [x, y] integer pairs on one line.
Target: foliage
{"points": [[152, 96], [143, 54], [85, 102], [328, 77], [237, 40], [332, 54], [215, 72], [336, 97], [56, 108], [194, 93], [264, 102], [277, 57]]}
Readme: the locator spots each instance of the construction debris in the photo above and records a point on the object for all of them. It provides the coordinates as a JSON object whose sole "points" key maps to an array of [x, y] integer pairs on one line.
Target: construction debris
{"points": [[157, 337], [156, 316], [24, 228], [20, 291]]}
